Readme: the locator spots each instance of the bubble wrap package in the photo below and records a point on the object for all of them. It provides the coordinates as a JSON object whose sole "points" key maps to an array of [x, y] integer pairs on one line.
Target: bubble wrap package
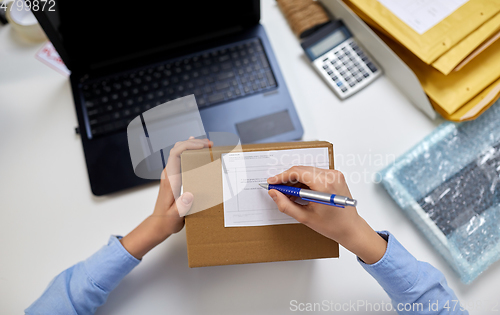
{"points": [[449, 186]]}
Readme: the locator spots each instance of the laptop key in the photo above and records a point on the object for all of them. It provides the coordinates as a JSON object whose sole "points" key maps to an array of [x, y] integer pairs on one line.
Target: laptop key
{"points": [[97, 131], [223, 58], [216, 97], [263, 60], [222, 86], [201, 102], [93, 112], [225, 75], [270, 78], [99, 120]]}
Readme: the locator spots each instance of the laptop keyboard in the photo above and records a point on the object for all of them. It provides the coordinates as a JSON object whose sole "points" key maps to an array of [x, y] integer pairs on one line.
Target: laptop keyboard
{"points": [[213, 77]]}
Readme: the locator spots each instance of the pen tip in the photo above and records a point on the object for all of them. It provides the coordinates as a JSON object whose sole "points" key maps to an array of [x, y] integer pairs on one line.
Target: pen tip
{"points": [[351, 202], [265, 186]]}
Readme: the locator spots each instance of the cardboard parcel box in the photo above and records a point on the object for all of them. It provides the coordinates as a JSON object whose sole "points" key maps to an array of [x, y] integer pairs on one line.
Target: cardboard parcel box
{"points": [[209, 243]]}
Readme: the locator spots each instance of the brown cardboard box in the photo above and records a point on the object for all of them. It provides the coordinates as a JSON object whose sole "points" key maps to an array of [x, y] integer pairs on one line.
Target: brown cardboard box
{"points": [[209, 243]]}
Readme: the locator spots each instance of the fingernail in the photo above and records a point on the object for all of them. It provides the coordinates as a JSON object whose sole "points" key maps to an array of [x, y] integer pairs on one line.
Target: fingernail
{"points": [[271, 179], [187, 198], [273, 195]]}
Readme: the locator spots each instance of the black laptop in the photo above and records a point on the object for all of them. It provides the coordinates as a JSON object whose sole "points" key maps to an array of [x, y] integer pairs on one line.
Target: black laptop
{"points": [[126, 57]]}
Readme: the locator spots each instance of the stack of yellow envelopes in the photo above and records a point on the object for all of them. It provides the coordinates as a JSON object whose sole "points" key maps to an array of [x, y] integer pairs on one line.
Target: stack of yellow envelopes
{"points": [[457, 60]]}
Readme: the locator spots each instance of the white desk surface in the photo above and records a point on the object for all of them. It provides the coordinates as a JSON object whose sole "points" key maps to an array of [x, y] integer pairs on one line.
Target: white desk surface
{"points": [[49, 220]]}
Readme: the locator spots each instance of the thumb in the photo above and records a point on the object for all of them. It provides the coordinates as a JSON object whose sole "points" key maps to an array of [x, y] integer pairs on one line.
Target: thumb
{"points": [[288, 207], [184, 203]]}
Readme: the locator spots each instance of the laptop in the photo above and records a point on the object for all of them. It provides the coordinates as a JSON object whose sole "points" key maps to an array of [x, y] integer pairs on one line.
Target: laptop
{"points": [[127, 57]]}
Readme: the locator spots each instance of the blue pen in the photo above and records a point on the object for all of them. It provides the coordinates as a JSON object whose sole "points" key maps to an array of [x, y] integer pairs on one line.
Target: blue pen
{"points": [[313, 196]]}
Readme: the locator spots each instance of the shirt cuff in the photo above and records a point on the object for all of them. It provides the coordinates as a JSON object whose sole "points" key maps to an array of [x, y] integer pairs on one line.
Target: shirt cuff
{"points": [[397, 270], [110, 264]]}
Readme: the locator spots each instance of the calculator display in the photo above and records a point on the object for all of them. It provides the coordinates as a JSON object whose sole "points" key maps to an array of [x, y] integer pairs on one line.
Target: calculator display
{"points": [[327, 43]]}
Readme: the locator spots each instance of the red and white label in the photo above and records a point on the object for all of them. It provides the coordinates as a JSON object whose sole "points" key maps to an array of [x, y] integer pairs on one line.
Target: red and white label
{"points": [[49, 56]]}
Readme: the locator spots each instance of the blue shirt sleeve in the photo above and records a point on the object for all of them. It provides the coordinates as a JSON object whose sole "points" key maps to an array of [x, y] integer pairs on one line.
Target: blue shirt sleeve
{"points": [[415, 287], [82, 288]]}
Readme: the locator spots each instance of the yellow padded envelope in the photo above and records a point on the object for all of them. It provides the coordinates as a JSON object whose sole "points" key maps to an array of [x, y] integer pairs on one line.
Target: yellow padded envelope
{"points": [[453, 91], [453, 57], [439, 39], [449, 60], [475, 107]]}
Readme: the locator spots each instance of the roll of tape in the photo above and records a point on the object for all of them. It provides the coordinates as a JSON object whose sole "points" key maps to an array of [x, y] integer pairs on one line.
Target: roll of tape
{"points": [[24, 22]]}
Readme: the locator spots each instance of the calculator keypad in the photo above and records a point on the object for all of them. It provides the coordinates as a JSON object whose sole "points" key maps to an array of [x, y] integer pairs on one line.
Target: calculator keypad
{"points": [[347, 68]]}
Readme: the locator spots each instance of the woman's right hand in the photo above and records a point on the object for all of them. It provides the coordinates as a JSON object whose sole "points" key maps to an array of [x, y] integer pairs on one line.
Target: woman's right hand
{"points": [[343, 225]]}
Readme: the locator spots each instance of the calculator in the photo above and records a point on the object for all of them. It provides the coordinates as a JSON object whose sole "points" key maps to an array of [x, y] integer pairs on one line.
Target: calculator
{"points": [[340, 60]]}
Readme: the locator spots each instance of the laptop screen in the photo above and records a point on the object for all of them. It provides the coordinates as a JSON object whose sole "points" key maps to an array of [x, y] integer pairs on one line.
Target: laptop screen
{"points": [[97, 34]]}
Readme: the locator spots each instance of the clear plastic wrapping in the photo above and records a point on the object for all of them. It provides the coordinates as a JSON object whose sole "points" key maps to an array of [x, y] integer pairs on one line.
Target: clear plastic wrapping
{"points": [[449, 185]]}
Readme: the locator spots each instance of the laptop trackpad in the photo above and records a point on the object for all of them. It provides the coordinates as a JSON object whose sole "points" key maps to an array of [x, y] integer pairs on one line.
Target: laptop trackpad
{"points": [[264, 127]]}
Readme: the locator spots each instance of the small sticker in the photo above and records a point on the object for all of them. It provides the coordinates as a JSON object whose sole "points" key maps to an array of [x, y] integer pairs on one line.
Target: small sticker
{"points": [[49, 56]]}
